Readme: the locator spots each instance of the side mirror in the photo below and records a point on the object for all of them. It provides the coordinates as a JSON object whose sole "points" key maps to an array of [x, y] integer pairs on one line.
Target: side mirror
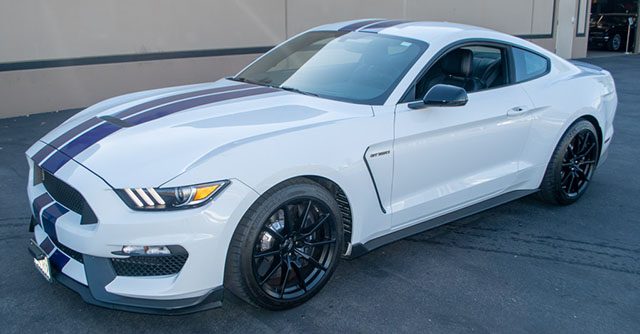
{"points": [[442, 96]]}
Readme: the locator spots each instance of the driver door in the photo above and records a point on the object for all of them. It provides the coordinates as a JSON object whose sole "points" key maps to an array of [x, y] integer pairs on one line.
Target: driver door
{"points": [[451, 157]]}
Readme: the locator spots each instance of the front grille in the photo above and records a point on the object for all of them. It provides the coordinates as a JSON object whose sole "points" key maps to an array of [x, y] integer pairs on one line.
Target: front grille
{"points": [[73, 254], [149, 265], [69, 197]]}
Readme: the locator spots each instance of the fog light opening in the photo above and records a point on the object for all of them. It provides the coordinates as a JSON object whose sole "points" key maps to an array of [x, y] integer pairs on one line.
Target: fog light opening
{"points": [[145, 250]]}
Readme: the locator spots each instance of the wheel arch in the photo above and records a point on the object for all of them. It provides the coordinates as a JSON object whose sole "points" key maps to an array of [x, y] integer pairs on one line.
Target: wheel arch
{"points": [[339, 195], [594, 121], [343, 203]]}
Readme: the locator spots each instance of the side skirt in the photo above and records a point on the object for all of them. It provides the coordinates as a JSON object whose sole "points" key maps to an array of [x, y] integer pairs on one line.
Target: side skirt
{"points": [[361, 249]]}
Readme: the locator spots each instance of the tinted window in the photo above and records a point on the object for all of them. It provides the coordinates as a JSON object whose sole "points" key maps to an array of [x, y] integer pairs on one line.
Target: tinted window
{"points": [[355, 67], [528, 65], [473, 68]]}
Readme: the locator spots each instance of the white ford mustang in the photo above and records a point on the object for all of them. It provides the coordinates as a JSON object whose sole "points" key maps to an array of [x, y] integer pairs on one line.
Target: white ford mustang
{"points": [[338, 141]]}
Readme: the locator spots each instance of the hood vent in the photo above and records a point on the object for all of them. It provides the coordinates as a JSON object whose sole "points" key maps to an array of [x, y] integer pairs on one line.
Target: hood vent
{"points": [[115, 121]]}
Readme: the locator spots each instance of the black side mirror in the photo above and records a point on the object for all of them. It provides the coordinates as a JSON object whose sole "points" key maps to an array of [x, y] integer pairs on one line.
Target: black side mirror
{"points": [[442, 96]]}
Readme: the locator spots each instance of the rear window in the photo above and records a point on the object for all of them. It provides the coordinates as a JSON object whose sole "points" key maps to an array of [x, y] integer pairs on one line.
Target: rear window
{"points": [[529, 65]]}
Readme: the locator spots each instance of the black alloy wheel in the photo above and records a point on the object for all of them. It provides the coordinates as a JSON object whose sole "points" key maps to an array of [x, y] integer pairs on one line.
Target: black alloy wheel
{"points": [[286, 247], [293, 251], [572, 165], [579, 163]]}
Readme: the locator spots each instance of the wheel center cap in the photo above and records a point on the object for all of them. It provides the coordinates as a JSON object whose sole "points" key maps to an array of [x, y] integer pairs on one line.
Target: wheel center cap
{"points": [[287, 246]]}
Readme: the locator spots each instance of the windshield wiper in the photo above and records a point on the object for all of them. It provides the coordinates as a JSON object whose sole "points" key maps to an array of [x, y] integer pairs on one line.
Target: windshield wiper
{"points": [[249, 81], [296, 90], [287, 88], [241, 79]]}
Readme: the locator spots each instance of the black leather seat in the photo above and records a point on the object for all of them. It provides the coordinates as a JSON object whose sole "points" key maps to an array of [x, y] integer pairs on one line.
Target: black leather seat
{"points": [[457, 70], [488, 71]]}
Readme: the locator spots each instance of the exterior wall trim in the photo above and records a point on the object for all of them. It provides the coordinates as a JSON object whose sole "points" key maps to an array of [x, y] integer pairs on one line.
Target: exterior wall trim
{"points": [[99, 60]]}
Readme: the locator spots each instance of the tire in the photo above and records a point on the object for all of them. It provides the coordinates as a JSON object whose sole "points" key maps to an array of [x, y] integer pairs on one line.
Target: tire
{"points": [[572, 165], [272, 246], [615, 43]]}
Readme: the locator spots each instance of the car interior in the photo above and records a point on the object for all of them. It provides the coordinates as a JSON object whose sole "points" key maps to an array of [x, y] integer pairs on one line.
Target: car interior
{"points": [[473, 68]]}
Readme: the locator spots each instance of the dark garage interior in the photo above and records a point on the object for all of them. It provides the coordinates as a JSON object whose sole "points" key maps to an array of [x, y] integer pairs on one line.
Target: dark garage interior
{"points": [[613, 25]]}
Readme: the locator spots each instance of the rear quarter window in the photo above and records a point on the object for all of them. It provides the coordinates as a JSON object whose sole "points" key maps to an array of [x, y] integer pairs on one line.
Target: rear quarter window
{"points": [[529, 65]]}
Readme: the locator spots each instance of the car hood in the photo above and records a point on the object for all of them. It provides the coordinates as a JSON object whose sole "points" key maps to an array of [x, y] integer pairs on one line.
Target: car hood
{"points": [[146, 139]]}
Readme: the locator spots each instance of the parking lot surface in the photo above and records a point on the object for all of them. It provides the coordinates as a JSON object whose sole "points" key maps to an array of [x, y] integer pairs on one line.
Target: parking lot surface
{"points": [[524, 267]]}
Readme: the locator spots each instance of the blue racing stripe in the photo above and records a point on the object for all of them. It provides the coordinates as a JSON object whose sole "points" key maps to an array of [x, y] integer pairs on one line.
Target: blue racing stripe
{"points": [[59, 260], [65, 137], [39, 203], [49, 217], [383, 25], [59, 160], [47, 245], [91, 137], [169, 109], [88, 138], [357, 25], [172, 98], [74, 147], [42, 153], [55, 162]]}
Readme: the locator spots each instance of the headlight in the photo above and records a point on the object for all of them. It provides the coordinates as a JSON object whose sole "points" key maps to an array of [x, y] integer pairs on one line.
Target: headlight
{"points": [[170, 198]]}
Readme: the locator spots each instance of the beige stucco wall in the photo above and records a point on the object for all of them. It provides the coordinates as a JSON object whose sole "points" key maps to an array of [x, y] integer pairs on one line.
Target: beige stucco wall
{"points": [[52, 89], [62, 29], [45, 29], [517, 17]]}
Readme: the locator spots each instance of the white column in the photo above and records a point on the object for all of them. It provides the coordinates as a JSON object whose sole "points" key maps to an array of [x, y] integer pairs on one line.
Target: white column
{"points": [[565, 27]]}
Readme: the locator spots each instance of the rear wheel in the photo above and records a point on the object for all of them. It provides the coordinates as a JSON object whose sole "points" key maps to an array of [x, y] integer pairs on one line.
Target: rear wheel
{"points": [[572, 165], [286, 247]]}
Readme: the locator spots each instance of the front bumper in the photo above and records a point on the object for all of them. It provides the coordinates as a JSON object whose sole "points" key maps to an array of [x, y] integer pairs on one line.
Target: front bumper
{"points": [[89, 276], [81, 254]]}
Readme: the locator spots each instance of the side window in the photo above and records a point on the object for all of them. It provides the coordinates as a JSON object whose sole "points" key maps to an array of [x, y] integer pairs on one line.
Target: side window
{"points": [[473, 68], [528, 65]]}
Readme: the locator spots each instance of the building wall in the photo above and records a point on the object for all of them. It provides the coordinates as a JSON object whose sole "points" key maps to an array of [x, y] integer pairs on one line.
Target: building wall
{"points": [[64, 54]]}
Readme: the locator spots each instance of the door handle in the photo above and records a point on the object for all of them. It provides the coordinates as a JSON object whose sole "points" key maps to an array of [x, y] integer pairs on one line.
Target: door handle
{"points": [[516, 111]]}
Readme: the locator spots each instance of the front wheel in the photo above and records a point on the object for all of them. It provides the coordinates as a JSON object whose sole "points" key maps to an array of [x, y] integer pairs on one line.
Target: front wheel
{"points": [[572, 165], [286, 247]]}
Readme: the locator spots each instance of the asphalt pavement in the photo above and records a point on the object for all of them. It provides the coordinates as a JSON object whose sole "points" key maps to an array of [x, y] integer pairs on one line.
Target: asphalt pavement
{"points": [[523, 267]]}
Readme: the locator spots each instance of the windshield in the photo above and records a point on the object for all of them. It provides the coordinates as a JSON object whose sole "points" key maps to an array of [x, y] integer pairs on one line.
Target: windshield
{"points": [[347, 66]]}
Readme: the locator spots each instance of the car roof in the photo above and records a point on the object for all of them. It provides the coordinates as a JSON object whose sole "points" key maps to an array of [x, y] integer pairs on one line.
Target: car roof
{"points": [[437, 34]]}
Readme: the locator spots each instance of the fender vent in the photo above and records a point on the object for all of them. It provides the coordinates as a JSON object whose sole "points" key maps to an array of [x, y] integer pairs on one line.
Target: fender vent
{"points": [[345, 211]]}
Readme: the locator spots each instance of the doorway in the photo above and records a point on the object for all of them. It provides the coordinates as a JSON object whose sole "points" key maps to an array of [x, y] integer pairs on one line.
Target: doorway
{"points": [[613, 27]]}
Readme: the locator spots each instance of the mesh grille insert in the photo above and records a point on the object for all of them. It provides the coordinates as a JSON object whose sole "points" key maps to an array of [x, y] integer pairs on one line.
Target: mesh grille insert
{"points": [[149, 265], [69, 197]]}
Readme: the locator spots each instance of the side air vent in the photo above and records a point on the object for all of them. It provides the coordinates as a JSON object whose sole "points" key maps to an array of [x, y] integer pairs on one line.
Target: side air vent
{"points": [[345, 211]]}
